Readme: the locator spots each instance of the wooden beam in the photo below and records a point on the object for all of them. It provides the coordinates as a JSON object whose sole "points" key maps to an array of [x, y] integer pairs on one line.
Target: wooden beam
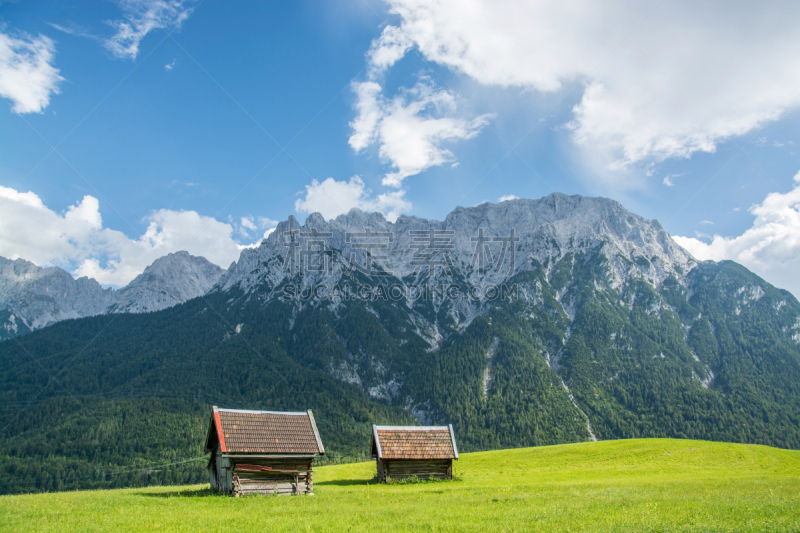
{"points": [[220, 434], [316, 433], [377, 442], [453, 438]]}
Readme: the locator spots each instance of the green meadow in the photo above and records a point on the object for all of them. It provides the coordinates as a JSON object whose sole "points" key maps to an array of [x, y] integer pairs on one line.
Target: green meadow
{"points": [[631, 485]]}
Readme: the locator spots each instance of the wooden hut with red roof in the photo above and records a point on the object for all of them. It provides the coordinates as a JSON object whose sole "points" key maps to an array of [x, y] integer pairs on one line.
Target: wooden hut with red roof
{"points": [[422, 451], [262, 452]]}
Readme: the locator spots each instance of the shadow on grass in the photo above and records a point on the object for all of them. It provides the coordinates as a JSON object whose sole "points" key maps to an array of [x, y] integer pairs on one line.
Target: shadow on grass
{"points": [[191, 493], [375, 481], [346, 482]]}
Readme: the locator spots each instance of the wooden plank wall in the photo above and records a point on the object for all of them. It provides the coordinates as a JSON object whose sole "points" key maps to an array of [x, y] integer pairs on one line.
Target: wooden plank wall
{"points": [[423, 469], [288, 476], [223, 471], [245, 483]]}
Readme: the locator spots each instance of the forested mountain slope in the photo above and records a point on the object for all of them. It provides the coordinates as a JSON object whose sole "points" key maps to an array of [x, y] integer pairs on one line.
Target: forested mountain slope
{"points": [[524, 323]]}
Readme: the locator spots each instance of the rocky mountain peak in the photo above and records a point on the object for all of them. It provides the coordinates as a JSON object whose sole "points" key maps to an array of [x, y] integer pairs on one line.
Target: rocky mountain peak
{"points": [[170, 280], [32, 297], [542, 232]]}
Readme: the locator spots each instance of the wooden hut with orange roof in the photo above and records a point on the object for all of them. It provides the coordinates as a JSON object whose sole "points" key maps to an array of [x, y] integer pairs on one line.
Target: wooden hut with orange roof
{"points": [[262, 452], [422, 451]]}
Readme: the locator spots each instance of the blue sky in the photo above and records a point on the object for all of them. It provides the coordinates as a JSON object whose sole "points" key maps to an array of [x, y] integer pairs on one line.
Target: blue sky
{"points": [[197, 125]]}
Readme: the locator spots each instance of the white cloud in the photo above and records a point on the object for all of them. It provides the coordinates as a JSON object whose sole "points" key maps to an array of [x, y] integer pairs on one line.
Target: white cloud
{"points": [[688, 77], [507, 197], [332, 198], [77, 240], [140, 18], [370, 112], [387, 50], [770, 248], [170, 66], [669, 177], [247, 222], [27, 75], [410, 127], [73, 29]]}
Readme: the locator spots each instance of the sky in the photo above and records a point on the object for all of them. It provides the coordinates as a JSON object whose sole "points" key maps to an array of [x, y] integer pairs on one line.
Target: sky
{"points": [[135, 128]]}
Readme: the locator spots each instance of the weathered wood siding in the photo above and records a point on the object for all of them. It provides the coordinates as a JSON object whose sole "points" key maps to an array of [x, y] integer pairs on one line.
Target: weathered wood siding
{"points": [[286, 475], [224, 477], [265, 483], [212, 472], [389, 469]]}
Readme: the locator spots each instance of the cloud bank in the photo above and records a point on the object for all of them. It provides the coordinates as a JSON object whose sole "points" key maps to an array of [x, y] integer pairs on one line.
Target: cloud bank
{"points": [[77, 240], [27, 75], [770, 248], [653, 85]]}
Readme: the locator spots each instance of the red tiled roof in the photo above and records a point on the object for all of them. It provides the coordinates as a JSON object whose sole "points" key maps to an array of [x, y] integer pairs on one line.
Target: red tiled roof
{"points": [[264, 432], [405, 442]]}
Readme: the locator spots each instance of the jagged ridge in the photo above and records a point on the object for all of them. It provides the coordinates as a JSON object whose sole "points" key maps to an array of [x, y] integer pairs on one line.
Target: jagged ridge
{"points": [[32, 297]]}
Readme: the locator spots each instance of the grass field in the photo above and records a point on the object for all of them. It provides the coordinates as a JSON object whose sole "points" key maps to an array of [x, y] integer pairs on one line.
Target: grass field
{"points": [[633, 485]]}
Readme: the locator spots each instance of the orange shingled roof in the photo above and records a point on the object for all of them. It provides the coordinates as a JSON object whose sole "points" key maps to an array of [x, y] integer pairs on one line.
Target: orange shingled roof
{"points": [[265, 432], [405, 442]]}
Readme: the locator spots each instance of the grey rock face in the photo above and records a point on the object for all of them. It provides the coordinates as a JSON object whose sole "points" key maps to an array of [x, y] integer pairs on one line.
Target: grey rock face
{"points": [[33, 297], [170, 280], [517, 236], [544, 230], [550, 235]]}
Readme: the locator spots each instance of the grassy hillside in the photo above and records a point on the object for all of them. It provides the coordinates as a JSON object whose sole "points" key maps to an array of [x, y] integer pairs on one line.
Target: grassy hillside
{"points": [[633, 485]]}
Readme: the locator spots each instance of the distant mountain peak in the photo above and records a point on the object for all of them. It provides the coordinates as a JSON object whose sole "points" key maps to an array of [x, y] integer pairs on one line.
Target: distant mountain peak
{"points": [[170, 280], [32, 297]]}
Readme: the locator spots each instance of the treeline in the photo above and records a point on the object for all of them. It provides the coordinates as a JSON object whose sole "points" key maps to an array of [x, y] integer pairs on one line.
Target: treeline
{"points": [[70, 443]]}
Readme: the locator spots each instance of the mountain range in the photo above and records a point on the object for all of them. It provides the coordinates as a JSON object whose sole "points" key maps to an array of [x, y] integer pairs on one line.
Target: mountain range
{"points": [[523, 323], [33, 297]]}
